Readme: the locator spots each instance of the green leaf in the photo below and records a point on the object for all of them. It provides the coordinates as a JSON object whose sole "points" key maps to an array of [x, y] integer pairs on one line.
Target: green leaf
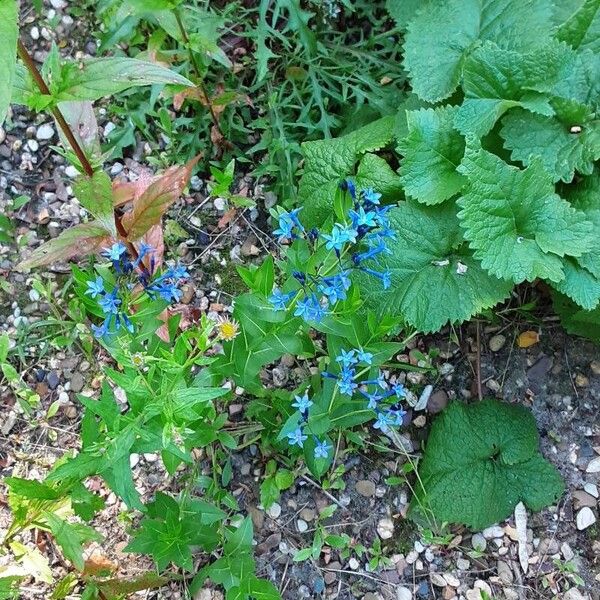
{"points": [[582, 29], [439, 38], [480, 461], [576, 320], [33, 561], [95, 195], [71, 537], [374, 172], [328, 162], [431, 152], [566, 143], [579, 284], [495, 80], [9, 33], [403, 11], [32, 489], [435, 279], [99, 77], [262, 589], [517, 225], [239, 540]]}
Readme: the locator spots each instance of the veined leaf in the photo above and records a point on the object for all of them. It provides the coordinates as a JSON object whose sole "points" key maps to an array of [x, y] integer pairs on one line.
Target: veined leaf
{"points": [[403, 11], [328, 162], [480, 461], [82, 121], [79, 240], [431, 151], [517, 225], [149, 208], [99, 77], [9, 33], [435, 279], [579, 284], [582, 29], [443, 33], [95, 195]]}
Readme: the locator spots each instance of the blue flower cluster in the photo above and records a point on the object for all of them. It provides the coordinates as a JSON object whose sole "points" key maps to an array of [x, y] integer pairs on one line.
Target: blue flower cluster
{"points": [[362, 237], [165, 286], [382, 397]]}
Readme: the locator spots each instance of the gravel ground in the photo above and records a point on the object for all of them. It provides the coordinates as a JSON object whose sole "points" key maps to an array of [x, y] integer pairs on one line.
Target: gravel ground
{"points": [[558, 378]]}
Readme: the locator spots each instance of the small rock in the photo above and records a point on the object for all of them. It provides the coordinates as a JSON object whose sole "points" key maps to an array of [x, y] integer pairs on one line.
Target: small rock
{"points": [[420, 421], [437, 402], [353, 564], [308, 514], [591, 489], [495, 531], [45, 132], [412, 557], [573, 594], [451, 580], [302, 525], [269, 544], [462, 564], [280, 376], [424, 397], [582, 498], [77, 382], [33, 145], [437, 579], [71, 172], [585, 518], [594, 465], [403, 593], [257, 516], [385, 528], [478, 542], [548, 546], [365, 488], [566, 551], [63, 398], [505, 572], [581, 380], [497, 342], [595, 367], [219, 203], [274, 510], [34, 33], [9, 423]]}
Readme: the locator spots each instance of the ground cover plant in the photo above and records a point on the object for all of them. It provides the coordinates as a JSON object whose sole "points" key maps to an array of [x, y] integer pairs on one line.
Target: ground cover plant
{"points": [[465, 169]]}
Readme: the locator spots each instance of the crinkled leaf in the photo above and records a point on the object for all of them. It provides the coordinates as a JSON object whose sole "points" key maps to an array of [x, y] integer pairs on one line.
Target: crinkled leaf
{"points": [[9, 33], [95, 195], [577, 320], [98, 77], [494, 81], [71, 537], [579, 284], [374, 172], [561, 148], [431, 152], [582, 29], [440, 36], [480, 461], [149, 208], [328, 162], [79, 240], [402, 11], [517, 225], [435, 279]]}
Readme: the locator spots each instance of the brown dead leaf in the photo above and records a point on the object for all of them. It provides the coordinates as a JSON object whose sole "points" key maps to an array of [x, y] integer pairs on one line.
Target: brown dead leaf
{"points": [[98, 564], [154, 237], [128, 191], [227, 218], [527, 339]]}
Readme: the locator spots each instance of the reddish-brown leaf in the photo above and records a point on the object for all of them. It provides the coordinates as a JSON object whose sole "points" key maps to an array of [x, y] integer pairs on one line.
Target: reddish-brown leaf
{"points": [[125, 587], [152, 204], [129, 191], [78, 240], [227, 218], [154, 237]]}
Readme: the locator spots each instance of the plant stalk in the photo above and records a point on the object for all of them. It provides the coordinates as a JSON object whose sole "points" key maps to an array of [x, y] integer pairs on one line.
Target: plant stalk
{"points": [[200, 81]]}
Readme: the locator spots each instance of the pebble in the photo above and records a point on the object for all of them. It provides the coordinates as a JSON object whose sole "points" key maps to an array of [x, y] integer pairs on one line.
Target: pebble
{"points": [[437, 580], [478, 542], [497, 342], [219, 203], [573, 594], [451, 580], [424, 397], [594, 465], [308, 514], [567, 552], [505, 572], [585, 518], [403, 593], [274, 510], [33, 145], [548, 546], [591, 489], [365, 488], [77, 382], [495, 531], [302, 525], [437, 402], [45, 132], [353, 564], [595, 367], [412, 557], [582, 498], [385, 528], [71, 172], [63, 398], [462, 564]]}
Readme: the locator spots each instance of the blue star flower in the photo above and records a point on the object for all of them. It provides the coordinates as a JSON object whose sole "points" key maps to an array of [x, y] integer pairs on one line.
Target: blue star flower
{"points": [[382, 422], [374, 251], [310, 309], [333, 288], [364, 357], [169, 292], [396, 416], [95, 288], [361, 217], [347, 359], [297, 438], [102, 330], [399, 390], [115, 252], [285, 230], [348, 185], [293, 217], [374, 399], [340, 235], [177, 272], [279, 300], [322, 449], [302, 403], [385, 277], [347, 387], [109, 303], [371, 196]]}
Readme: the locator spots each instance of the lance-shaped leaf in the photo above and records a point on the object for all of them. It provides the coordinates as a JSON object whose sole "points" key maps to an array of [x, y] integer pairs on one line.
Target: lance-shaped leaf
{"points": [[79, 240], [153, 203], [99, 77], [565, 143], [480, 461], [328, 162], [517, 225], [9, 33], [494, 80], [441, 35], [95, 195], [431, 152], [82, 121], [435, 279]]}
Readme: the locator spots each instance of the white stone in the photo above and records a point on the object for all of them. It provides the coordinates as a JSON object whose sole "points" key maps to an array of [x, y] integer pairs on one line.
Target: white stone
{"points": [[116, 168], [58, 4], [591, 489], [274, 510], [35, 33], [353, 564], [403, 593], [573, 594], [451, 580], [71, 171], [385, 528], [63, 398], [478, 542], [33, 145], [495, 531], [302, 525], [594, 466], [585, 518], [567, 552], [437, 580], [45, 132], [134, 459], [419, 547], [219, 203], [412, 557], [34, 295]]}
